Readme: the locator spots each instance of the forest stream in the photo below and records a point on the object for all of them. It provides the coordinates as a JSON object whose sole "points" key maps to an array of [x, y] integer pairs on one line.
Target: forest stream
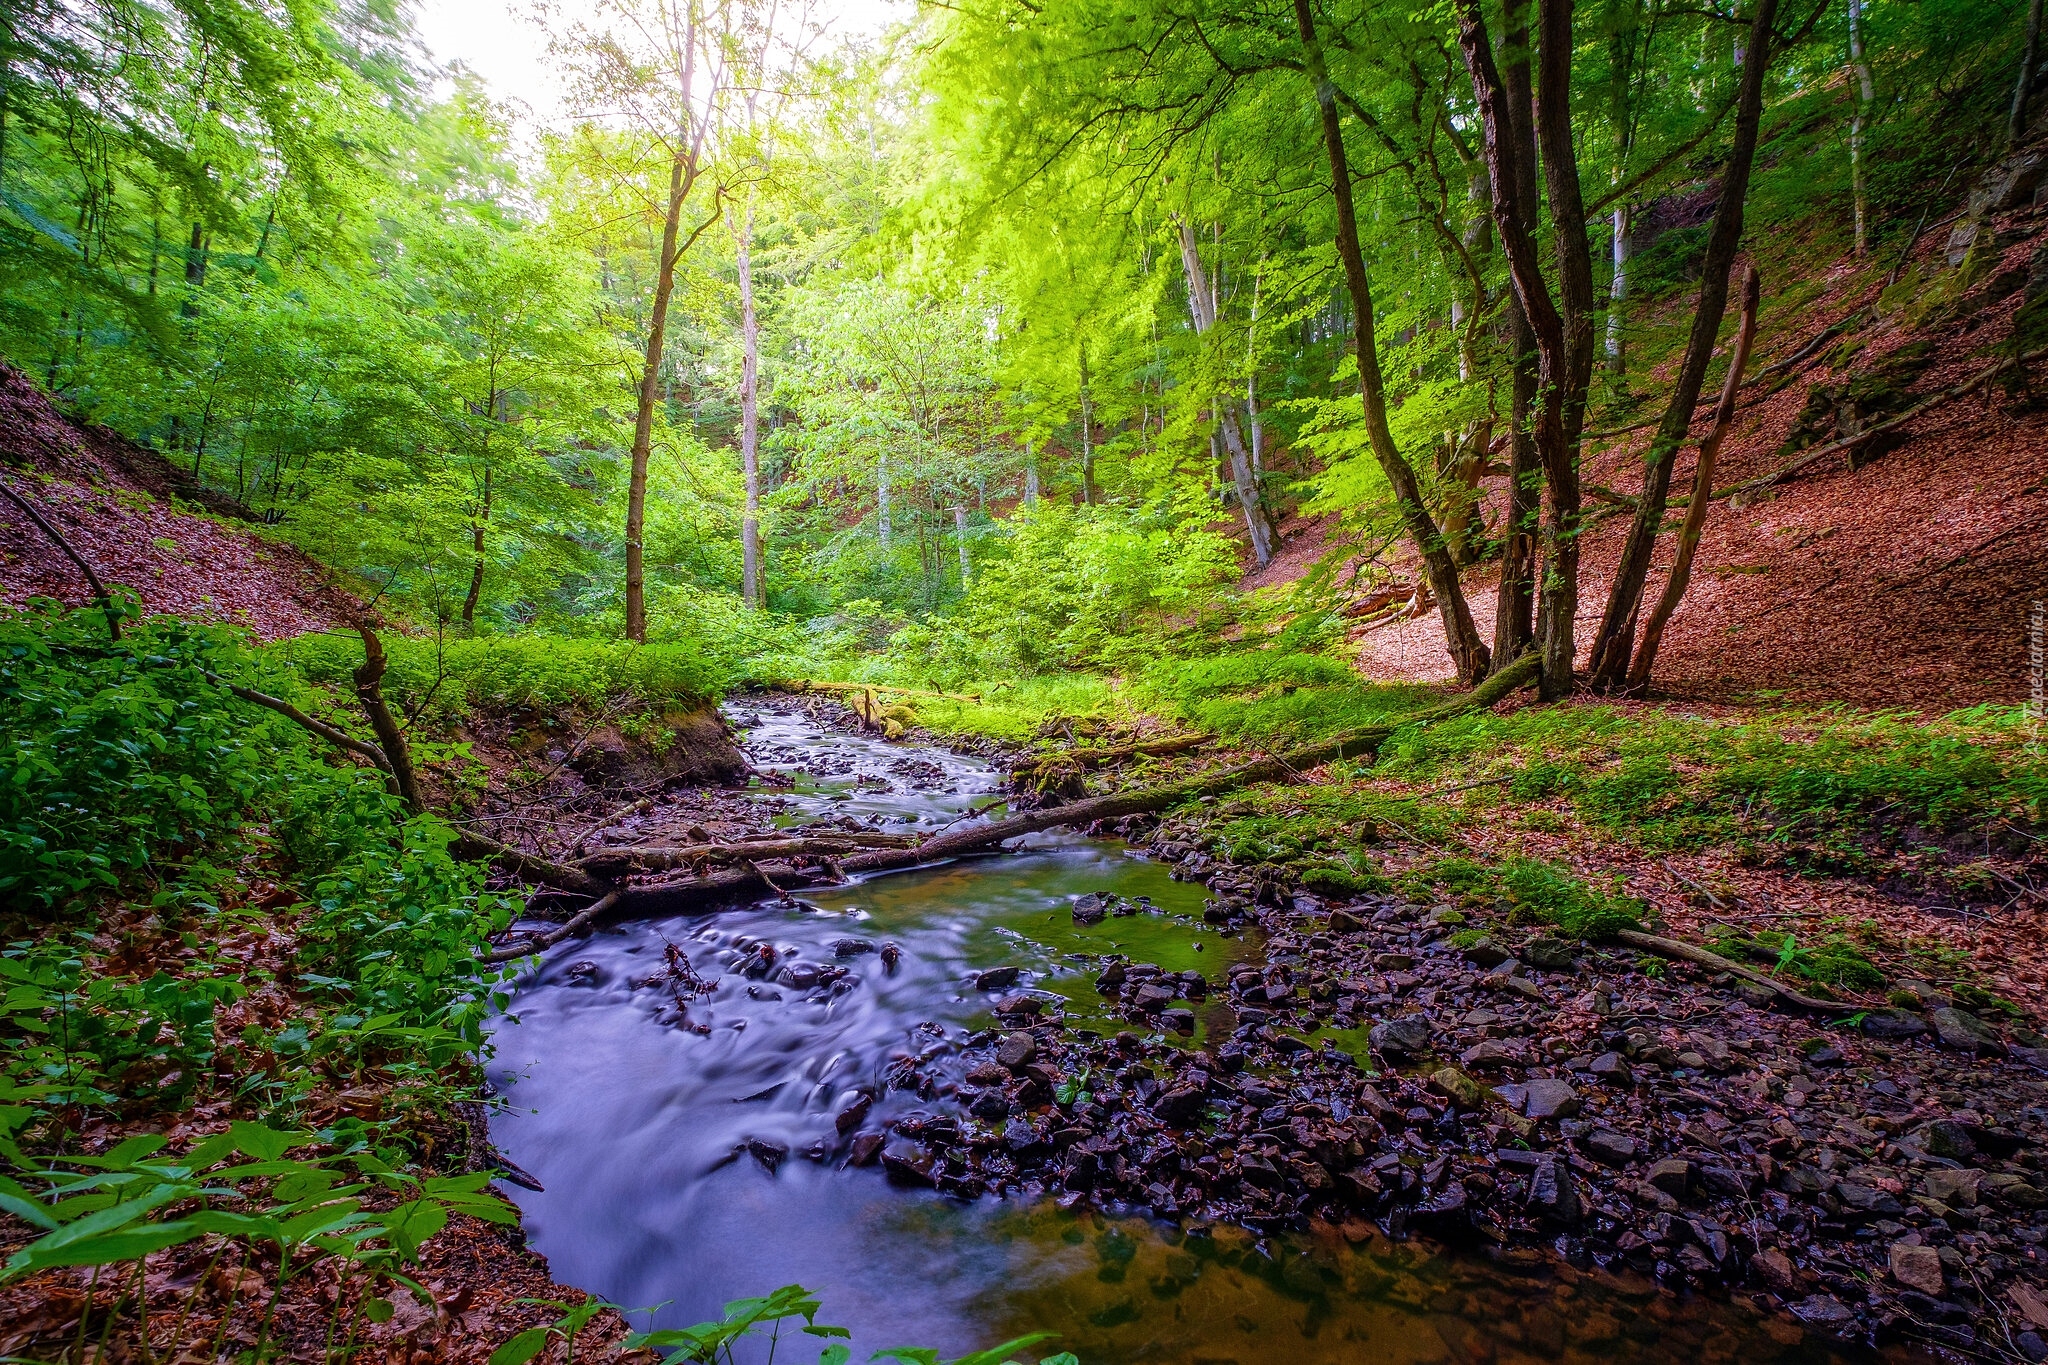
{"points": [[692, 1148]]}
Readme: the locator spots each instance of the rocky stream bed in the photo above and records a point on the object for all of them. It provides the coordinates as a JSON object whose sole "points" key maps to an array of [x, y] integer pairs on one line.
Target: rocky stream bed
{"points": [[1346, 1072]]}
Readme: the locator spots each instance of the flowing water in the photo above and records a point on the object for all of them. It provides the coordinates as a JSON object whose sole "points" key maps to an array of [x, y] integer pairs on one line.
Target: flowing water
{"points": [[691, 1152]]}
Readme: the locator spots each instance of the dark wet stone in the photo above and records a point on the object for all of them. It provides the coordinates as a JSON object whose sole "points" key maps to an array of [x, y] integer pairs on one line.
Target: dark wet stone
{"points": [[1486, 1054], [908, 1163], [1550, 1099], [1824, 1313], [768, 1152], [1553, 1194], [1020, 1006], [891, 955], [1673, 1175], [1344, 922], [851, 1116], [1091, 909], [1180, 1021], [1611, 1149], [985, 1074], [1180, 1106], [996, 978], [1486, 953], [1730, 1182], [1550, 954], [1151, 997], [1407, 1036], [1017, 1051], [1893, 1023], [990, 1107], [1965, 1032], [866, 1147], [1947, 1138], [1610, 1067]]}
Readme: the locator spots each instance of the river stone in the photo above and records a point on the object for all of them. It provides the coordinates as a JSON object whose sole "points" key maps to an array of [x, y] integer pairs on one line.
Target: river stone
{"points": [[908, 1163], [1553, 1194], [1956, 1188], [1965, 1032], [1485, 953], [1022, 1006], [1345, 922], [1824, 1312], [1486, 1054], [851, 947], [990, 1107], [865, 1149], [1459, 1088], [1179, 1106], [1730, 1182], [1918, 1267], [856, 1110], [1091, 909], [1947, 1138], [1017, 1051], [996, 978], [986, 1074], [1150, 997], [1894, 1023], [1180, 1021], [1550, 1099], [1673, 1175], [1550, 954], [1610, 1067], [1610, 1149], [1407, 1036], [768, 1152]]}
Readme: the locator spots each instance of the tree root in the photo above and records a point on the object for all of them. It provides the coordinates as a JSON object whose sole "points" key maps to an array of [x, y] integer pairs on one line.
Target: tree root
{"points": [[1706, 957]]}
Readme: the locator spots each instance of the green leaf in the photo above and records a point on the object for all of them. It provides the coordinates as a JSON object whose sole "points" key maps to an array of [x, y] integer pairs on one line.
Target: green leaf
{"points": [[260, 1143], [521, 1348]]}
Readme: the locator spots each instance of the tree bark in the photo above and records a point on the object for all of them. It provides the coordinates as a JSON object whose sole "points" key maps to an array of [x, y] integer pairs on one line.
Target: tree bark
{"points": [[1087, 434], [1468, 651], [751, 589], [476, 540], [1202, 307], [681, 175], [369, 681], [1702, 491], [1561, 327], [1615, 641], [2030, 54], [1617, 292], [1865, 93]]}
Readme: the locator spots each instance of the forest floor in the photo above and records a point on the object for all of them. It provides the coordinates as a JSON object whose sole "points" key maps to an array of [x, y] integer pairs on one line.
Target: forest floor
{"points": [[1903, 583]]}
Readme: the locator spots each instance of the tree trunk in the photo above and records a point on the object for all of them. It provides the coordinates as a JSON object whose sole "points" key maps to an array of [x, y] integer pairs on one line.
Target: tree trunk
{"points": [[679, 179], [1468, 652], [2030, 54], [1562, 327], [1702, 491], [1202, 308], [751, 589], [1617, 291], [1087, 435], [882, 500], [1615, 641], [960, 537], [1514, 629], [1030, 473], [1865, 93], [476, 540]]}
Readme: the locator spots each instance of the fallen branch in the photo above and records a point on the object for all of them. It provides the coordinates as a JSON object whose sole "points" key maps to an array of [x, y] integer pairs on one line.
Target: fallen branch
{"points": [[99, 589], [541, 942], [1808, 458], [614, 861], [1705, 957], [340, 739]]}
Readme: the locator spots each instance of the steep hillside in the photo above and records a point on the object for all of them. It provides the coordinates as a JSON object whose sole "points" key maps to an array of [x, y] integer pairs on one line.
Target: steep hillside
{"points": [[1902, 581], [143, 525]]}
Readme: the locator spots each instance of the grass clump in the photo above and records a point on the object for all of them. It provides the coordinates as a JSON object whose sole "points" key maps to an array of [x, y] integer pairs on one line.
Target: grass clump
{"points": [[1548, 893]]}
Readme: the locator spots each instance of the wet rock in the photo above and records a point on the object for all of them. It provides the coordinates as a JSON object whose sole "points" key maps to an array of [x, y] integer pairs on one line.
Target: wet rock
{"points": [[855, 1111], [997, 978], [990, 1107], [1965, 1032], [985, 1074], [1918, 1267], [1407, 1036], [1550, 1099], [1957, 1188], [1017, 1051], [768, 1152], [1485, 953], [891, 955], [1608, 1148], [1486, 1054], [1151, 998], [1091, 909], [866, 1147], [1553, 1195], [1673, 1175], [1893, 1024], [1947, 1138], [1610, 1067], [800, 976], [1180, 1106], [1458, 1088], [908, 1163], [1550, 954], [1730, 1183], [1020, 1006], [1180, 1021], [1776, 1270], [1824, 1313]]}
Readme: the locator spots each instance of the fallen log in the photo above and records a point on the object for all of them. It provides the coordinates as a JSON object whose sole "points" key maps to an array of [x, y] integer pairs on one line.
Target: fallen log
{"points": [[655, 858], [682, 895], [1144, 748], [1682, 951], [812, 685]]}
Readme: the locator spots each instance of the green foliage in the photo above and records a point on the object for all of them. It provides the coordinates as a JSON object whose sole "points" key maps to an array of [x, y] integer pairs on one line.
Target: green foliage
{"points": [[1833, 960], [1550, 894]]}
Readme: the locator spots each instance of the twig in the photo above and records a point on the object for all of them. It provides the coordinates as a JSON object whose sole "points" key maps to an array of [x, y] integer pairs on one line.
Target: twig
{"points": [[99, 589], [542, 942]]}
